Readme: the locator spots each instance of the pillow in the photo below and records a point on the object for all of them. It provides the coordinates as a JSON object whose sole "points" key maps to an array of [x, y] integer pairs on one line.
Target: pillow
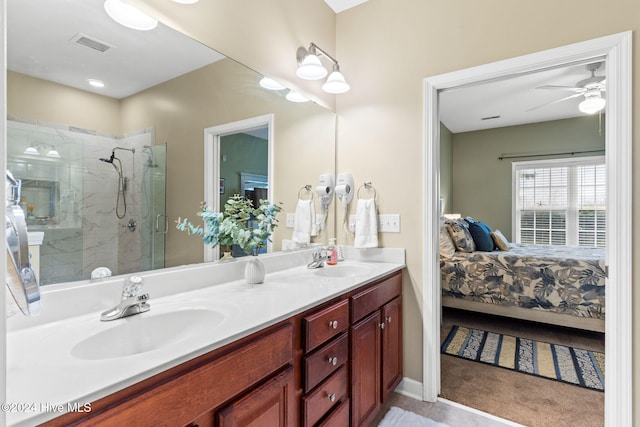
{"points": [[501, 242], [447, 248], [459, 232], [481, 234]]}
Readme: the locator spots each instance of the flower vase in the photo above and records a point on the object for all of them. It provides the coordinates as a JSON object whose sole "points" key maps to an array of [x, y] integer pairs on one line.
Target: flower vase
{"points": [[254, 271]]}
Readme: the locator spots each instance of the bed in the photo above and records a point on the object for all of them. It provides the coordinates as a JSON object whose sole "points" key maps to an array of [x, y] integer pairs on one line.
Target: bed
{"points": [[562, 285]]}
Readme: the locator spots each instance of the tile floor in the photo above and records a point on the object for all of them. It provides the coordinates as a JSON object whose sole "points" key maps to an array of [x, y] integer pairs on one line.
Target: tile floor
{"points": [[445, 412]]}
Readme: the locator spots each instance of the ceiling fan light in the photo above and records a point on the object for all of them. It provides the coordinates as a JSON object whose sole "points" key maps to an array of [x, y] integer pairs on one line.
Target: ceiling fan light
{"points": [[311, 68], [129, 16], [336, 83], [592, 104]]}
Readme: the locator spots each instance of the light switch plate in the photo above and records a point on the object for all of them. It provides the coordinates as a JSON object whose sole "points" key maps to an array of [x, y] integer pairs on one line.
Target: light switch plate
{"points": [[388, 223], [291, 220]]}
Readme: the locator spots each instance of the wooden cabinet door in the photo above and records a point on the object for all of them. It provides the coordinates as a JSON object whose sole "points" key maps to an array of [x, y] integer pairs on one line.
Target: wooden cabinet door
{"points": [[268, 405], [391, 347], [365, 369]]}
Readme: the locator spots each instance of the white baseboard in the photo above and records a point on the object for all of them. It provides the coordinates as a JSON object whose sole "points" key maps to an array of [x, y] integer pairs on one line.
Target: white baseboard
{"points": [[410, 388]]}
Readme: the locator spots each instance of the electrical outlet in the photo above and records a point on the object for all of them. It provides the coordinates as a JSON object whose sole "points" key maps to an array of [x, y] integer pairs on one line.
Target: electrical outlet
{"points": [[291, 220]]}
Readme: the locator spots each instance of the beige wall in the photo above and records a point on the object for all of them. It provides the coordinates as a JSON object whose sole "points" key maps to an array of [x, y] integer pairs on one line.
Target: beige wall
{"points": [[263, 35], [446, 168], [31, 98], [217, 94], [482, 183], [387, 48]]}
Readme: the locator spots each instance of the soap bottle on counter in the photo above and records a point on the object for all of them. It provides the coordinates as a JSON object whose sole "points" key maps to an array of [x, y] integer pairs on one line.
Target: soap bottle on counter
{"points": [[332, 252]]}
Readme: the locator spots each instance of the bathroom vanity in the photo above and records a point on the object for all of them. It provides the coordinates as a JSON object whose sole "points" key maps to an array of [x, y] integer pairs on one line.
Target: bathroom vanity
{"points": [[307, 347]]}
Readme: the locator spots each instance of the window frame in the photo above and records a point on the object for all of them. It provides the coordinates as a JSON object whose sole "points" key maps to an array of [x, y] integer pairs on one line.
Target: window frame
{"points": [[572, 223]]}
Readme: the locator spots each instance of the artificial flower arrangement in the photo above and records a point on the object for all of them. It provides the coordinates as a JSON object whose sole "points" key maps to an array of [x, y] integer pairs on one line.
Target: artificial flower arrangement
{"points": [[232, 226]]}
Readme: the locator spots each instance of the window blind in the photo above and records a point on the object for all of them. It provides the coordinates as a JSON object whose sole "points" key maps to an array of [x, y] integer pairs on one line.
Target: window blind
{"points": [[560, 202]]}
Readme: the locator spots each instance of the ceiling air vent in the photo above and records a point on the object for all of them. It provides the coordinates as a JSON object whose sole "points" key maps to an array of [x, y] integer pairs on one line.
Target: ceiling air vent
{"points": [[91, 42]]}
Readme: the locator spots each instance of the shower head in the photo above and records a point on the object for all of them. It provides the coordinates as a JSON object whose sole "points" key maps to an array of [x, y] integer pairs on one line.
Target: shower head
{"points": [[110, 160]]}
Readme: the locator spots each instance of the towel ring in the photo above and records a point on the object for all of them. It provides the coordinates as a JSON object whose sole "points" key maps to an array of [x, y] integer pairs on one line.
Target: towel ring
{"points": [[367, 186], [306, 188]]}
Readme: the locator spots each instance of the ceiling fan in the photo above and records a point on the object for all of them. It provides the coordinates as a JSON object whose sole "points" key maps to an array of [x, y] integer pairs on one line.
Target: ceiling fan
{"points": [[591, 88]]}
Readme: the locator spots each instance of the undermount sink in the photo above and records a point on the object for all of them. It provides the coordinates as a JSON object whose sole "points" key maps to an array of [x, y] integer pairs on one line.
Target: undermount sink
{"points": [[146, 332], [343, 270]]}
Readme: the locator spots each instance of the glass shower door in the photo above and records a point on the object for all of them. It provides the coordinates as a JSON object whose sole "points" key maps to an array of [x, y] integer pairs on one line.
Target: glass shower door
{"points": [[154, 217]]}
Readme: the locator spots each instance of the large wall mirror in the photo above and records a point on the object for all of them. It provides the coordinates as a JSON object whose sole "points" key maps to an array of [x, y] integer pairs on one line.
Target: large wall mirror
{"points": [[108, 170]]}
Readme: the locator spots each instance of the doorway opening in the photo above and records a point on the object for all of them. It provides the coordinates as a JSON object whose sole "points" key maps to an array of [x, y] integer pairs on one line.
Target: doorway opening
{"points": [[616, 49], [240, 171]]}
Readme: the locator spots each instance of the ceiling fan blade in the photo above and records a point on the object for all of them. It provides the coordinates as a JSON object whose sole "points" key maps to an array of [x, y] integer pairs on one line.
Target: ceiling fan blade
{"points": [[571, 88], [555, 102]]}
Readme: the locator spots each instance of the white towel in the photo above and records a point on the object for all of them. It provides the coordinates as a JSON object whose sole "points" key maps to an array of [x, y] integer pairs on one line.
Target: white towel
{"points": [[366, 224], [304, 225]]}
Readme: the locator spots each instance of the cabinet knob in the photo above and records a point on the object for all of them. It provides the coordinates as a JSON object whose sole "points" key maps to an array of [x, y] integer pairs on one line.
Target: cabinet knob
{"points": [[333, 361], [382, 325], [332, 397], [389, 319], [333, 324]]}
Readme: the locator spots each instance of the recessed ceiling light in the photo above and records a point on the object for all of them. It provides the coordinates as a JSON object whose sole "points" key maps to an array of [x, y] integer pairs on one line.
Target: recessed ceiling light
{"points": [[129, 16], [96, 83], [186, 1]]}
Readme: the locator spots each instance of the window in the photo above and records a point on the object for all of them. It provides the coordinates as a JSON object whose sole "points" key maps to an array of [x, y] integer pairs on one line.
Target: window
{"points": [[560, 202]]}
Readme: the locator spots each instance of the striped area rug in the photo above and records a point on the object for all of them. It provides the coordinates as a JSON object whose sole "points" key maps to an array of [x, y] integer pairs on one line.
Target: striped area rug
{"points": [[584, 368]]}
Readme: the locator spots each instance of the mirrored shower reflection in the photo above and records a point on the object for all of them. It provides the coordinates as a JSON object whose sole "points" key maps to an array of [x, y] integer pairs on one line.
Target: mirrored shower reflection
{"points": [[71, 196]]}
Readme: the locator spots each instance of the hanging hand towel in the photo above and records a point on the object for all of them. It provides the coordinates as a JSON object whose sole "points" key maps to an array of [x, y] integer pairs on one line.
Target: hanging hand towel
{"points": [[304, 222], [366, 224]]}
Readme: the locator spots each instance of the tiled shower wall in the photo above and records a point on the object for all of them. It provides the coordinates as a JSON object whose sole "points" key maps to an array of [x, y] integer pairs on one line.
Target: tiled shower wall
{"points": [[72, 251]]}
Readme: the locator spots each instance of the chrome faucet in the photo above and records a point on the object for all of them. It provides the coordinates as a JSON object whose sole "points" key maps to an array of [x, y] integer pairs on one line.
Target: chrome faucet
{"points": [[318, 259], [132, 302]]}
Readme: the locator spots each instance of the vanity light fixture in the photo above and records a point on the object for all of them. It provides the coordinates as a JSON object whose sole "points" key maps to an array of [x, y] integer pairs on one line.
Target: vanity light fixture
{"points": [[129, 16], [53, 153], [310, 68], [593, 102], [271, 84], [294, 96], [32, 150]]}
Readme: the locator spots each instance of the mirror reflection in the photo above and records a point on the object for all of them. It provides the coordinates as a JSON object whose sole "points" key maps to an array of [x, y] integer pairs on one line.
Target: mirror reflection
{"points": [[106, 171]]}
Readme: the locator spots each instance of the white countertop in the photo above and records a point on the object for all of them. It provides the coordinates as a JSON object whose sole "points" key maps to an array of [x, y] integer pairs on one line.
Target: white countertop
{"points": [[43, 375]]}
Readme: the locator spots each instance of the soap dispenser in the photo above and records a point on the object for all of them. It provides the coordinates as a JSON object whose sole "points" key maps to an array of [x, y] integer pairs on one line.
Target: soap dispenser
{"points": [[332, 252]]}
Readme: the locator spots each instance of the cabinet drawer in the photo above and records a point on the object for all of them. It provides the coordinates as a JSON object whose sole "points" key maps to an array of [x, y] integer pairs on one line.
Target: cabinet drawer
{"points": [[375, 297], [325, 324], [326, 396], [339, 417], [324, 361]]}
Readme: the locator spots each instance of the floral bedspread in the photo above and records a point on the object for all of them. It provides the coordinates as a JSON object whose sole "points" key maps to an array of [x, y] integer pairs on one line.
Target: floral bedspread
{"points": [[563, 279]]}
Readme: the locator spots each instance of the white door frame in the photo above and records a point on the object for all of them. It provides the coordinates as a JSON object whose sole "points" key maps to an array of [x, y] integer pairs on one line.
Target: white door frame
{"points": [[212, 137], [616, 49]]}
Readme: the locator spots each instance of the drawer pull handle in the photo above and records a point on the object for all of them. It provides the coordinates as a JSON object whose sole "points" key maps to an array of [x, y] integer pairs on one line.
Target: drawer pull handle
{"points": [[333, 324], [382, 325], [389, 319], [333, 361], [332, 397]]}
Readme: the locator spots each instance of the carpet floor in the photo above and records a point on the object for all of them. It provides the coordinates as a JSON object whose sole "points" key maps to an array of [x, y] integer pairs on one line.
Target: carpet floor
{"points": [[522, 398]]}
